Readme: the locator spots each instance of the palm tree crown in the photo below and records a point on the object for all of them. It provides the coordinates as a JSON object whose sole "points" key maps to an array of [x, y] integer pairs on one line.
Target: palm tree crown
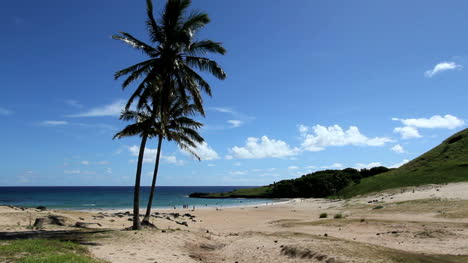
{"points": [[174, 56]]}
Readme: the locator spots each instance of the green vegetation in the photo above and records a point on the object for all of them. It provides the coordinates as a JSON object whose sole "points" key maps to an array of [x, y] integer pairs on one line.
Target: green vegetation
{"points": [[317, 184], [446, 163], [42, 251], [169, 74], [323, 215], [338, 216]]}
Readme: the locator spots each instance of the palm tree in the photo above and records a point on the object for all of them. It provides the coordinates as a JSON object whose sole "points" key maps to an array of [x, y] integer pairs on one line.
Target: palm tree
{"points": [[180, 129], [174, 58], [142, 128]]}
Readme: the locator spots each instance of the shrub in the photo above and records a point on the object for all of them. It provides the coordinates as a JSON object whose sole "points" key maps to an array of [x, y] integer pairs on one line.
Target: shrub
{"points": [[323, 215], [338, 216]]}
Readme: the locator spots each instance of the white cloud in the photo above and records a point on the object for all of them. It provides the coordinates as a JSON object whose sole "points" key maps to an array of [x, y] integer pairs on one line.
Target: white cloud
{"points": [[399, 164], [235, 123], [332, 166], [4, 111], [172, 159], [72, 171], [103, 162], [113, 109], [237, 164], [229, 157], [293, 167], [407, 132], [367, 166], [150, 155], [54, 123], [322, 137], [84, 162], [445, 122], [238, 173], [211, 165], [204, 151], [441, 67], [109, 170], [74, 104], [223, 110], [398, 148], [263, 148]]}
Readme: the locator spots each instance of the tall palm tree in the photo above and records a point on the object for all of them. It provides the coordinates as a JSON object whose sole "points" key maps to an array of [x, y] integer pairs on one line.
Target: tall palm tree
{"points": [[174, 57]]}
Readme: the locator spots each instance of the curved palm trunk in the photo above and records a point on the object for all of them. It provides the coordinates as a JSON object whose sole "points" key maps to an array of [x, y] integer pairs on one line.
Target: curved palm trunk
{"points": [[153, 184], [136, 193]]}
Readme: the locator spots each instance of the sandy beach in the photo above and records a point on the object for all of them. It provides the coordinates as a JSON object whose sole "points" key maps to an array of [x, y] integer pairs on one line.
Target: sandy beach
{"points": [[404, 225]]}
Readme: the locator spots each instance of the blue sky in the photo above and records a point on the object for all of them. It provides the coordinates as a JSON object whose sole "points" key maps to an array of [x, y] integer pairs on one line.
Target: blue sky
{"points": [[311, 85]]}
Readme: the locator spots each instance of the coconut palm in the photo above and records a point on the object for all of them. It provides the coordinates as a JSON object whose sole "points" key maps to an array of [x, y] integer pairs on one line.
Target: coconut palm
{"points": [[174, 56], [142, 128], [180, 129]]}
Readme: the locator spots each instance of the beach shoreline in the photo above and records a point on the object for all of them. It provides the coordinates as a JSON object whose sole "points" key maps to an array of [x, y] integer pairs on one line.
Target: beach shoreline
{"points": [[426, 221]]}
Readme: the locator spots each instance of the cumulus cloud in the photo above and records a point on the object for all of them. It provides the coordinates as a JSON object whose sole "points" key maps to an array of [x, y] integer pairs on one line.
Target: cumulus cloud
{"points": [[113, 109], [441, 67], [264, 147], [399, 164], [321, 137], [398, 149], [172, 159], [367, 166], [150, 155], [332, 166], [204, 151], [4, 111], [445, 122], [407, 132], [54, 123], [235, 123], [293, 167]]}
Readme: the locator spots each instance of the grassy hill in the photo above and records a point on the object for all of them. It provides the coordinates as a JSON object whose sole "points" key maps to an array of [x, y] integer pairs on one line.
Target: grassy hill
{"points": [[448, 162]]}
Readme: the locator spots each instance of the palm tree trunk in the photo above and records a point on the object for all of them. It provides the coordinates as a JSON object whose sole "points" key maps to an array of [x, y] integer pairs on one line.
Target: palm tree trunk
{"points": [[153, 184], [136, 193]]}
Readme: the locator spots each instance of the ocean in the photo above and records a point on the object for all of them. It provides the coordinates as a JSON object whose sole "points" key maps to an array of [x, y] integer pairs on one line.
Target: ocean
{"points": [[117, 197]]}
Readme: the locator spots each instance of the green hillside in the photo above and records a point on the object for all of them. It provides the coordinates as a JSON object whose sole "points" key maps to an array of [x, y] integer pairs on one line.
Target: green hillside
{"points": [[448, 162]]}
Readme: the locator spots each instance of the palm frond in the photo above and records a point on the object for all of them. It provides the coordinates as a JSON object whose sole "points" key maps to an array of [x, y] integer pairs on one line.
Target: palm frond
{"points": [[140, 45], [204, 47], [153, 28], [205, 64]]}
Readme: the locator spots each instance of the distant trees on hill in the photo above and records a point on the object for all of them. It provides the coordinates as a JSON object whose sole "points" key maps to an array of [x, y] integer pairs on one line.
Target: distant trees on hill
{"points": [[322, 183]]}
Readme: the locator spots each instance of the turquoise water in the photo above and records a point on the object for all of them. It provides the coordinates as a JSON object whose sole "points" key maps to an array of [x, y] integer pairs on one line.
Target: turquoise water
{"points": [[116, 197]]}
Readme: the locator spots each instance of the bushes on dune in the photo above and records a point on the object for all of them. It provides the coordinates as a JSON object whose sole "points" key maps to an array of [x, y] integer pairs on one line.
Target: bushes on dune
{"points": [[322, 183]]}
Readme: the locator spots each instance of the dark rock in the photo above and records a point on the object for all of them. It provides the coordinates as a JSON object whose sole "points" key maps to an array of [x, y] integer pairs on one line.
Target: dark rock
{"points": [[57, 220], [42, 208], [39, 223]]}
